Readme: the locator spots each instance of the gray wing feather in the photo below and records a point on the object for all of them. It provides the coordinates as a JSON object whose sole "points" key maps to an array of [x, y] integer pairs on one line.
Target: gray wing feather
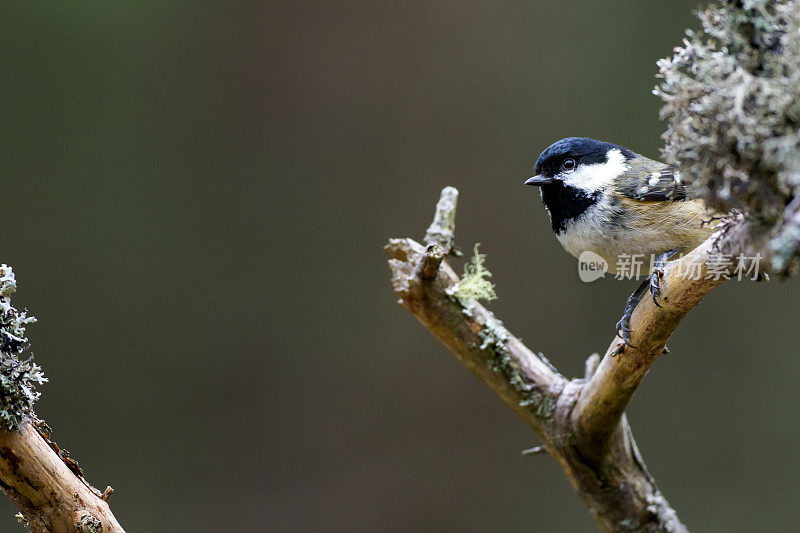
{"points": [[651, 181]]}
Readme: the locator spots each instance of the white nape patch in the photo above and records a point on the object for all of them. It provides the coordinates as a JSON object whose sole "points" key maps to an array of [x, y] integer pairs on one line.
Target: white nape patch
{"points": [[596, 175]]}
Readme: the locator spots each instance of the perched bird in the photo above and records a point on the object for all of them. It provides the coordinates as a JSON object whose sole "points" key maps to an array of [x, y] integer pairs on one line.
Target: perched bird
{"points": [[606, 199]]}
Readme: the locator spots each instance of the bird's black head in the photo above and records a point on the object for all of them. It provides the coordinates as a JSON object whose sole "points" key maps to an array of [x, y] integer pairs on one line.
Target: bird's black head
{"points": [[573, 172], [569, 153]]}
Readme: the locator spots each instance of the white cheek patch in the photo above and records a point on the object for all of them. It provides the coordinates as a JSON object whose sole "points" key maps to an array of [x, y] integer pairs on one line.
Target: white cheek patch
{"points": [[596, 175]]}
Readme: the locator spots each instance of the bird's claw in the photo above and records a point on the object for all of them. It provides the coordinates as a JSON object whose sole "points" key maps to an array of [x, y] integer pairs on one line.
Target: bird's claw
{"points": [[624, 325], [624, 329], [655, 285]]}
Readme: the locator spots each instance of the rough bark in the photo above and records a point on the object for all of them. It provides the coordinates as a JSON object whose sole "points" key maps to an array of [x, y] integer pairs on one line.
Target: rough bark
{"points": [[50, 496]]}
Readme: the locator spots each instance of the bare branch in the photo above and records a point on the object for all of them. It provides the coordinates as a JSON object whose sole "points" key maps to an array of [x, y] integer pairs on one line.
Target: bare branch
{"points": [[51, 497], [604, 398]]}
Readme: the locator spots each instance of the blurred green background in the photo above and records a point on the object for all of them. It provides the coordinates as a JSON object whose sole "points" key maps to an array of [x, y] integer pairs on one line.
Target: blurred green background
{"points": [[195, 197]]}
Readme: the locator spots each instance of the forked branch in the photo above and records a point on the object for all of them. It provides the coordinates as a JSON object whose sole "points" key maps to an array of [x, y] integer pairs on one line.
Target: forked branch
{"points": [[580, 421]]}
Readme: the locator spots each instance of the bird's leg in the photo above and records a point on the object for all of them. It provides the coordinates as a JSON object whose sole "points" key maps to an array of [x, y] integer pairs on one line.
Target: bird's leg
{"points": [[658, 272], [653, 282], [624, 324]]}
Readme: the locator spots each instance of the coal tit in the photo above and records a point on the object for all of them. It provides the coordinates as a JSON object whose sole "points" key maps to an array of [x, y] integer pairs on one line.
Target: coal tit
{"points": [[606, 199]]}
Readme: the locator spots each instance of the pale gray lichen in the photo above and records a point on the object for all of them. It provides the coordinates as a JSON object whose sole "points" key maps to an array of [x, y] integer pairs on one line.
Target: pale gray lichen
{"points": [[18, 377], [88, 524], [731, 99], [657, 505], [474, 283], [495, 336]]}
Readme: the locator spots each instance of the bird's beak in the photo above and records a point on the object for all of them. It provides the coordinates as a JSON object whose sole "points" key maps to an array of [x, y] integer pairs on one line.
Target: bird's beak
{"points": [[538, 181]]}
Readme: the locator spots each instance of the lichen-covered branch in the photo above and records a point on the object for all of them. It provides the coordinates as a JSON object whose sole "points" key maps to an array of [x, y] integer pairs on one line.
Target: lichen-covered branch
{"points": [[43, 482], [730, 98], [580, 421], [521, 378]]}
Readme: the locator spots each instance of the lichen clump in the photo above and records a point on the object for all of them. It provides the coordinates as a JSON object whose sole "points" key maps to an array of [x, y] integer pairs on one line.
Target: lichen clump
{"points": [[18, 377], [474, 283], [495, 336], [732, 100]]}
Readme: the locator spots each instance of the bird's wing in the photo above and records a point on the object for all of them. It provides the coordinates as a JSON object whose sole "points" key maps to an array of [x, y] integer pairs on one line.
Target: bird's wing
{"points": [[651, 181]]}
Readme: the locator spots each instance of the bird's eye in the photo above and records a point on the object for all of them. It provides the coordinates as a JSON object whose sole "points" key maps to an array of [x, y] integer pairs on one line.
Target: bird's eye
{"points": [[568, 164]]}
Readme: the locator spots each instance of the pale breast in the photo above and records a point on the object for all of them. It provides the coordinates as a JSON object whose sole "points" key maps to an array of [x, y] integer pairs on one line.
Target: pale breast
{"points": [[620, 233]]}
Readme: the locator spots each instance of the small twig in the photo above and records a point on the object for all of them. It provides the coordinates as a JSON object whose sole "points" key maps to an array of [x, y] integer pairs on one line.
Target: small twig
{"points": [[107, 493], [442, 229], [433, 259]]}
